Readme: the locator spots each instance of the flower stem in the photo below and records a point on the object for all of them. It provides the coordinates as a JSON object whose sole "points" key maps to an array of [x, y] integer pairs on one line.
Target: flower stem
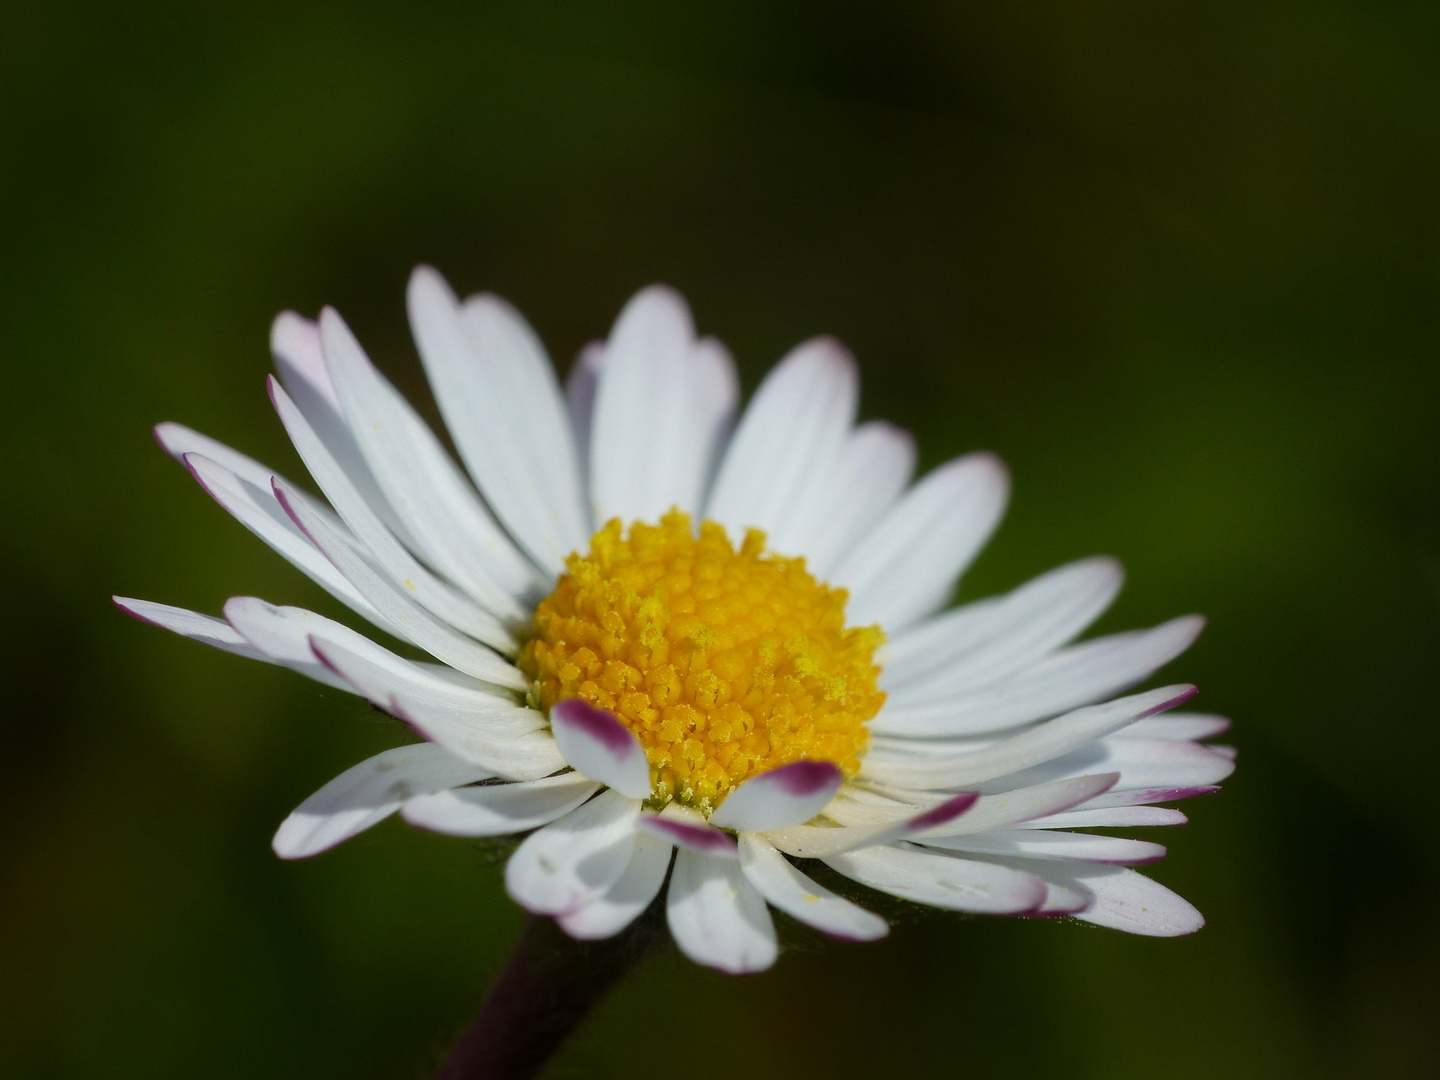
{"points": [[548, 985]]}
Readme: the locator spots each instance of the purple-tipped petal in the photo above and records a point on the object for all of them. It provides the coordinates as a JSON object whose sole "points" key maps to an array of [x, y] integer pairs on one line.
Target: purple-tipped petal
{"points": [[814, 842], [599, 746], [692, 835], [780, 798]]}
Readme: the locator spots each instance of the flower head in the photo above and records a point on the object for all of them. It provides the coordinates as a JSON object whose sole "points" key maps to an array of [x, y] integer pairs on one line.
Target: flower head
{"points": [[670, 651]]}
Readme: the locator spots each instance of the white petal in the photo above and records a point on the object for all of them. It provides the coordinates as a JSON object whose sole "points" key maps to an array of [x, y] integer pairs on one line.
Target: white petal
{"points": [[1045, 844], [369, 793], [580, 387], [284, 635], [831, 514], [400, 614], [1191, 726], [814, 842], [1108, 817], [499, 739], [979, 644], [193, 625], [907, 564], [717, 917], [404, 570], [499, 809], [1079, 675], [630, 895], [247, 496], [574, 861], [458, 536], [1141, 763], [789, 795], [661, 402], [599, 746], [1127, 900], [798, 896], [300, 360], [1041, 743], [943, 881], [1009, 808], [502, 404], [792, 433], [690, 832], [1142, 795]]}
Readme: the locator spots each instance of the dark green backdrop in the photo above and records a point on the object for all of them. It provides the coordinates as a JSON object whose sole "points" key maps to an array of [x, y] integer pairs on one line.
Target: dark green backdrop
{"points": [[1177, 262]]}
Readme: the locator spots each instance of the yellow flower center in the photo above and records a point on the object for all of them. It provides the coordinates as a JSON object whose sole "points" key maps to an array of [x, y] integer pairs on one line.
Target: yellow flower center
{"points": [[724, 663]]}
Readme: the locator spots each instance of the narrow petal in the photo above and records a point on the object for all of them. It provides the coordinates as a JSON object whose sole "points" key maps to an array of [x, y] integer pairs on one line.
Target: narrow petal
{"points": [[1188, 726], [812, 842], [1108, 817], [793, 433], [458, 535], [599, 746], [502, 405], [1045, 844], [1009, 808], [980, 644], [661, 402], [276, 633], [1041, 743], [907, 565], [499, 809], [717, 917], [1130, 901], [1141, 763], [574, 861], [300, 360], [799, 897], [789, 795], [501, 739], [692, 835], [1084, 673], [627, 898], [400, 614], [580, 387], [368, 793], [943, 881], [193, 625], [248, 497], [876, 463], [404, 570]]}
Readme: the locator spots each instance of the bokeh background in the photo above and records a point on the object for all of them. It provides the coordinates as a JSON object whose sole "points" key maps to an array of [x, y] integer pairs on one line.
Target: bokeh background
{"points": [[1177, 262]]}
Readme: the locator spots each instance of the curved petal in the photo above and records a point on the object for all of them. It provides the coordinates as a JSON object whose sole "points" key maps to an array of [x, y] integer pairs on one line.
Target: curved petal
{"points": [[907, 565], [401, 615], [943, 881], [574, 861], [1045, 844], [811, 842], [980, 644], [502, 405], [1079, 675], [422, 483], [1130, 901], [191, 624], [661, 402], [717, 917], [368, 793], [627, 898], [404, 570], [691, 835], [873, 468], [499, 809], [1033, 746], [789, 795], [793, 431], [799, 897], [599, 746]]}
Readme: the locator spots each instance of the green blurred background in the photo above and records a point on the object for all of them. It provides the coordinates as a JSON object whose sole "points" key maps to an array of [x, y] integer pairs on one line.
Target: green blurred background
{"points": [[1177, 262]]}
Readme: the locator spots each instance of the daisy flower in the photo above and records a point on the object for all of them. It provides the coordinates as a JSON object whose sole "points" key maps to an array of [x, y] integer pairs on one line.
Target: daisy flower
{"points": [[673, 646]]}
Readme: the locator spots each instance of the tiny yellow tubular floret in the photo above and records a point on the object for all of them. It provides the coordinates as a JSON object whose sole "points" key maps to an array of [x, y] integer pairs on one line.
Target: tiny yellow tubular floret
{"points": [[724, 663]]}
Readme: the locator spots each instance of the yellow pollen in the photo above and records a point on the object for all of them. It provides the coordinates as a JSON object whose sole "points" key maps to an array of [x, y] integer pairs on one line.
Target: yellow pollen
{"points": [[724, 663]]}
